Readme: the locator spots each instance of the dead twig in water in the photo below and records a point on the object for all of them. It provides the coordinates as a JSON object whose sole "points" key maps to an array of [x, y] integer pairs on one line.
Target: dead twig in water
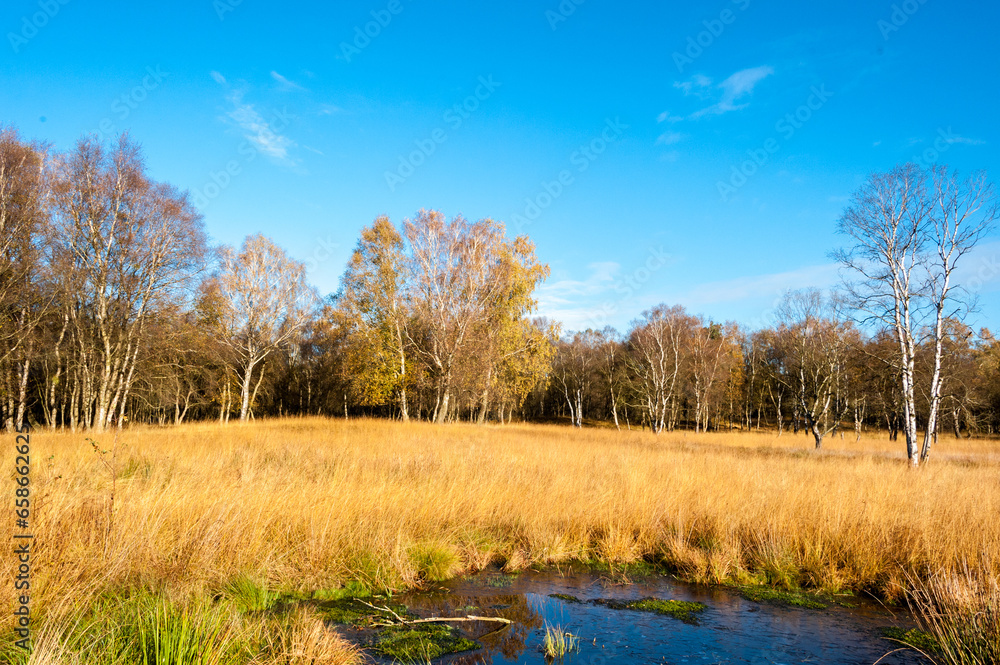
{"points": [[405, 622]]}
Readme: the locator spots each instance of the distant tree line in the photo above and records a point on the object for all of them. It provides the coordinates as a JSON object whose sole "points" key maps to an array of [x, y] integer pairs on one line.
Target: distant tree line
{"points": [[115, 308]]}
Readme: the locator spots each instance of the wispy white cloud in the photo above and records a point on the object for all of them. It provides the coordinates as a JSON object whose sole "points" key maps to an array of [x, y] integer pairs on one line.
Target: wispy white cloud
{"points": [[762, 286], [696, 86], [285, 84], [263, 134], [602, 276], [736, 87], [667, 117], [259, 132], [955, 138], [601, 298]]}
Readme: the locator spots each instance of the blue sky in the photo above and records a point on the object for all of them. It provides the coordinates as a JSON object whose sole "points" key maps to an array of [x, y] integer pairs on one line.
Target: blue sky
{"points": [[614, 134]]}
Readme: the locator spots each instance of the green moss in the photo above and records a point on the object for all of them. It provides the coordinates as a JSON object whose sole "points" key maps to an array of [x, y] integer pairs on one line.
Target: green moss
{"points": [[915, 638], [683, 610], [565, 597], [421, 643], [352, 612], [500, 581], [635, 569], [766, 594]]}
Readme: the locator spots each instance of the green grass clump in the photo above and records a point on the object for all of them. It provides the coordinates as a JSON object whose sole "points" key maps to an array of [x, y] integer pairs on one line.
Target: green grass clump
{"points": [[421, 643], [914, 637], [168, 635], [436, 562], [248, 595], [766, 594], [565, 597], [559, 642]]}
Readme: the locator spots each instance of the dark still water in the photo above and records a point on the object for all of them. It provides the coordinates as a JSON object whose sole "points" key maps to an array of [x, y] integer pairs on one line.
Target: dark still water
{"points": [[730, 629]]}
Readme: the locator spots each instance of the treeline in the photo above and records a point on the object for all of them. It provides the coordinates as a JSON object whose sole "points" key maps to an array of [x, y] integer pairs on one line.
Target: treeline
{"points": [[813, 372], [115, 308]]}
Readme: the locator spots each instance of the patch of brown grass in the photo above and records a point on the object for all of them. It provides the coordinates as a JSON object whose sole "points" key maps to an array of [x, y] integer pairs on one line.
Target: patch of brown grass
{"points": [[309, 504]]}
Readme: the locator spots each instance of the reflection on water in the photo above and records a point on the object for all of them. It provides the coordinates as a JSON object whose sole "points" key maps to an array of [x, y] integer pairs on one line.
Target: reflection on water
{"points": [[730, 630]]}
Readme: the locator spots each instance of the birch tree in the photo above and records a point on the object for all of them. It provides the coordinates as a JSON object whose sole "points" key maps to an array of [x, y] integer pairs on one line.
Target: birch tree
{"points": [[122, 243], [910, 229], [814, 347], [575, 369], [659, 355], [712, 357], [962, 212], [265, 302], [23, 302], [463, 274]]}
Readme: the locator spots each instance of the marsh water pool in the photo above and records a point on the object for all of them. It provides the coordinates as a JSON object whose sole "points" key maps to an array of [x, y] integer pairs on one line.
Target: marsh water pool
{"points": [[591, 606]]}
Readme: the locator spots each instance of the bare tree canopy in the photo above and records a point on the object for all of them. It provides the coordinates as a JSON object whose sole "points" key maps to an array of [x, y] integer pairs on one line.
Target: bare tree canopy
{"points": [[264, 302], [910, 228]]}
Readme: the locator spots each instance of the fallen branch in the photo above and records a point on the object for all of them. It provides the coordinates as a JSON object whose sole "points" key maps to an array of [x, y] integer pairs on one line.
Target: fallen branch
{"points": [[404, 622], [469, 617], [382, 609]]}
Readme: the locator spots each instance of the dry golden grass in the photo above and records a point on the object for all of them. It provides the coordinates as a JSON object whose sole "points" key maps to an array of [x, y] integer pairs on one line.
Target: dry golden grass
{"points": [[310, 504]]}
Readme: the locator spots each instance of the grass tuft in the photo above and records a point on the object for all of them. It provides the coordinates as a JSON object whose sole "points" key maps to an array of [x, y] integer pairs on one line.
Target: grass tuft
{"points": [[248, 595], [559, 643], [436, 562], [960, 610]]}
